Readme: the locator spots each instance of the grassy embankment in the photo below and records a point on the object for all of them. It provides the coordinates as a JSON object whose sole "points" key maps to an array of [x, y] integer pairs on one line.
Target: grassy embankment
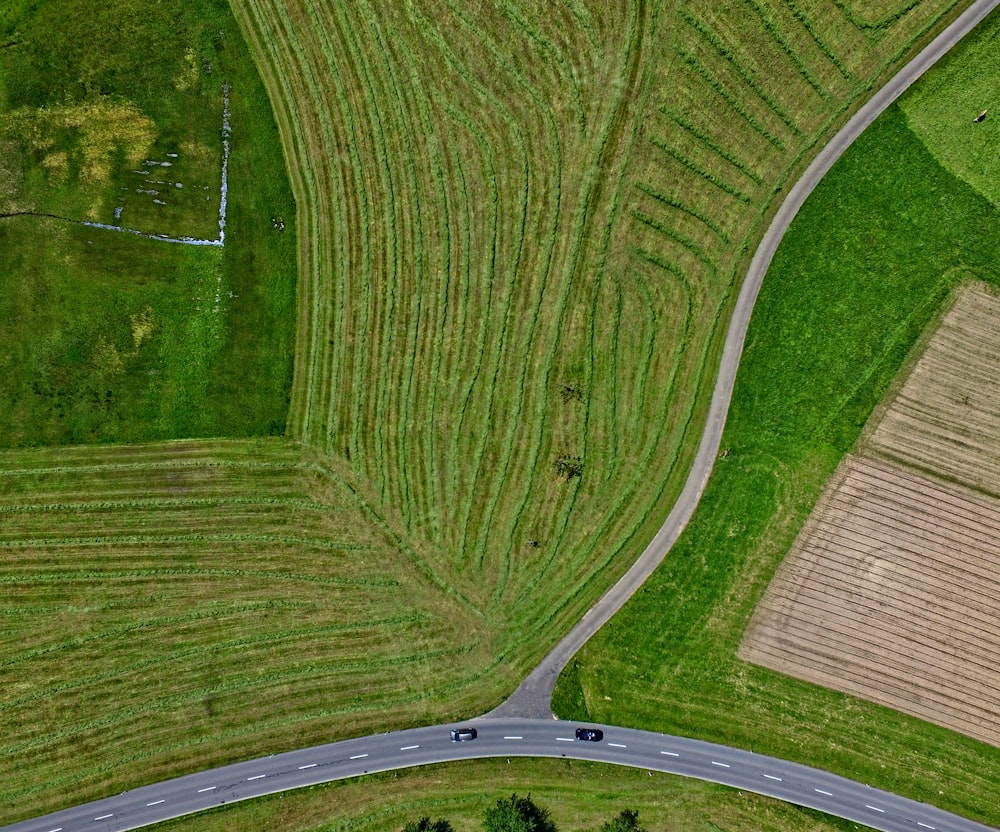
{"points": [[862, 271], [517, 235], [109, 337], [580, 796]]}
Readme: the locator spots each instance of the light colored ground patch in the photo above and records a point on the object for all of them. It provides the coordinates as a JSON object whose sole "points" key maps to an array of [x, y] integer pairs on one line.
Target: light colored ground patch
{"points": [[946, 416], [943, 106], [890, 591], [104, 127]]}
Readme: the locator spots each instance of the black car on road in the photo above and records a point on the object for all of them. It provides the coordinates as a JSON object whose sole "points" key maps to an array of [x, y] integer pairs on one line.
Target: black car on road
{"points": [[463, 734], [590, 734]]}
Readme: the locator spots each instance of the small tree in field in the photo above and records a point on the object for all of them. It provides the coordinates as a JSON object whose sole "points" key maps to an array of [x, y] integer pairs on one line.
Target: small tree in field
{"points": [[627, 821], [517, 814], [428, 825]]}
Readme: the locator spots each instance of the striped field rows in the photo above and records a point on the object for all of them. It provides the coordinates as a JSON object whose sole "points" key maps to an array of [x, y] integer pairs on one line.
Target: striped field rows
{"points": [[173, 598]]}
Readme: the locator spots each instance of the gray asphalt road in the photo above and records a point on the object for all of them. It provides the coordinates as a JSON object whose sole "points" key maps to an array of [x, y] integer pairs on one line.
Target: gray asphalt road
{"points": [[503, 738], [510, 737], [534, 695]]}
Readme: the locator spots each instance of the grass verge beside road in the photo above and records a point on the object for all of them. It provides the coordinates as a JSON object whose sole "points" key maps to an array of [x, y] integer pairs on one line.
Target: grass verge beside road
{"points": [[862, 271], [580, 796]]}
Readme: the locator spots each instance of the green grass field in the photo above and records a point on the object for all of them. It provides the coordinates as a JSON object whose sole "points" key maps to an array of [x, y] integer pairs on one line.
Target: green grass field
{"points": [[113, 113], [580, 796], [861, 273], [517, 234]]}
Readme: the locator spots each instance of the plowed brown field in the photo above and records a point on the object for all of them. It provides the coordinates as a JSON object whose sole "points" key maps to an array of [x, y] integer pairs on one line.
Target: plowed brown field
{"points": [[890, 592]]}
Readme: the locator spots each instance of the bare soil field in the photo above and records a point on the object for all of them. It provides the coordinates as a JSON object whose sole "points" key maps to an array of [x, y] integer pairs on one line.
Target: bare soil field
{"points": [[890, 591], [946, 417]]}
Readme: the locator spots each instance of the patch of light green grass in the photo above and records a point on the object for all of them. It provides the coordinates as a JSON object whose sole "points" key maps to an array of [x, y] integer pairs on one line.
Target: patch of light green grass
{"points": [[942, 108]]}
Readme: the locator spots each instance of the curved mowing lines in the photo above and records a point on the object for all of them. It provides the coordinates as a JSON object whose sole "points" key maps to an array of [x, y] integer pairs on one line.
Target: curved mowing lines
{"points": [[399, 364], [676, 204], [312, 351], [601, 269], [371, 411], [356, 223], [726, 54], [611, 141], [530, 450], [584, 21], [638, 475], [461, 432], [337, 132], [420, 395], [803, 69], [346, 208], [711, 178], [550, 56], [614, 436], [509, 309], [463, 279], [704, 139]]}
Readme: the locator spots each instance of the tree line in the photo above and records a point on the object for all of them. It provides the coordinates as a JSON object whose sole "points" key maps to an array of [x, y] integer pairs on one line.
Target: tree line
{"points": [[522, 814]]}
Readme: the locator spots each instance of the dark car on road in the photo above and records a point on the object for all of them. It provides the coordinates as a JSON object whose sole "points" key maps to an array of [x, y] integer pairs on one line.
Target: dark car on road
{"points": [[463, 734], [590, 734]]}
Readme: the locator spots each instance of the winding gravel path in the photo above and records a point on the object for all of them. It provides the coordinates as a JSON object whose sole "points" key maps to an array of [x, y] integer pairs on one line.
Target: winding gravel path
{"points": [[534, 695]]}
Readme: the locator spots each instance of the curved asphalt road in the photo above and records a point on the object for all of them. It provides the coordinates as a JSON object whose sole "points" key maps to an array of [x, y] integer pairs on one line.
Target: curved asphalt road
{"points": [[534, 695], [503, 738], [505, 732]]}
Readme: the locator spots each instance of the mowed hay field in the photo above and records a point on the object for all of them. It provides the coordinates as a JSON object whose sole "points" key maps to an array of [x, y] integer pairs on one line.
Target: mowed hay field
{"points": [[174, 606], [521, 230], [519, 233], [890, 593]]}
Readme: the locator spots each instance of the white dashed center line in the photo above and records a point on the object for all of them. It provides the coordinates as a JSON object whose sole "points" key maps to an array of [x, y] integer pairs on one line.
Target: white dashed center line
{"points": [[671, 753], [105, 817], [925, 825], [565, 739], [311, 765], [617, 745], [875, 808], [723, 765], [513, 738], [156, 803], [256, 777], [207, 789], [820, 791], [409, 747], [772, 777], [359, 756]]}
